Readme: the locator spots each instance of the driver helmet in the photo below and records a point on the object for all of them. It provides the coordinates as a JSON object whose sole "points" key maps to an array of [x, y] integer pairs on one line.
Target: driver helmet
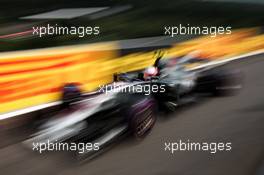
{"points": [[150, 72]]}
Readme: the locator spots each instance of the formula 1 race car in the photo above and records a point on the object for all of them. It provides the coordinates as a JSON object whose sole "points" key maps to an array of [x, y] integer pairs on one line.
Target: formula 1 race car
{"points": [[129, 104], [179, 85], [99, 117]]}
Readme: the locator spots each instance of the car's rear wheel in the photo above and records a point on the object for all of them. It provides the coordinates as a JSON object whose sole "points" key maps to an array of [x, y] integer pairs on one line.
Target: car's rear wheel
{"points": [[220, 83], [228, 83]]}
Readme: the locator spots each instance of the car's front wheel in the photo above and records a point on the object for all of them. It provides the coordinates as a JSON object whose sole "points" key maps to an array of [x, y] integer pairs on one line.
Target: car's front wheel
{"points": [[142, 117]]}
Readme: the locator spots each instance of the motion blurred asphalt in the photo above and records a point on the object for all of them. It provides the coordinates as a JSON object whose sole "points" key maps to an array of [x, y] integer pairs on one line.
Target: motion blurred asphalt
{"points": [[237, 119]]}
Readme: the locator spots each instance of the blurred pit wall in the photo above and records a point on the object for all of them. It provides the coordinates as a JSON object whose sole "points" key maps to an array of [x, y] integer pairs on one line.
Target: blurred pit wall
{"points": [[34, 77]]}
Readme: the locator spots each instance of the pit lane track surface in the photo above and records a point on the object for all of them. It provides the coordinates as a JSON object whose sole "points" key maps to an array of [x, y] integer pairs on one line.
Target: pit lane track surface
{"points": [[237, 119]]}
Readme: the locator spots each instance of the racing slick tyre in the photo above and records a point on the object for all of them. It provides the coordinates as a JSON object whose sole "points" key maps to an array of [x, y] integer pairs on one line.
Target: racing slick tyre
{"points": [[71, 93], [227, 83], [142, 118], [220, 83]]}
